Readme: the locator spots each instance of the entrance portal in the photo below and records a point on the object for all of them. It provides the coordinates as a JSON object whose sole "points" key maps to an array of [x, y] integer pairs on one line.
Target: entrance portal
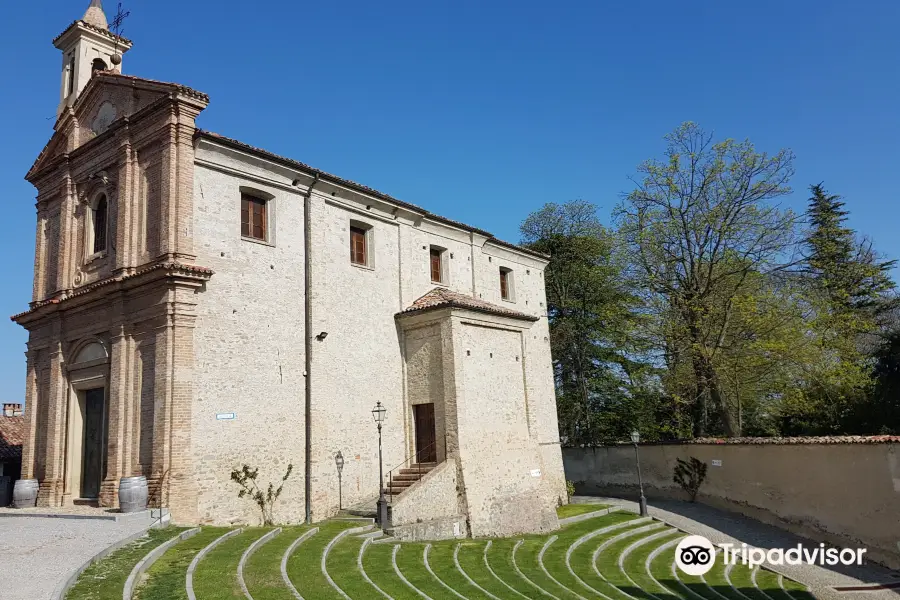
{"points": [[92, 447], [426, 449]]}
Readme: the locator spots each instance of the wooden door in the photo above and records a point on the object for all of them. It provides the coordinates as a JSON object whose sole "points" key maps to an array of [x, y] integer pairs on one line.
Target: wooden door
{"points": [[425, 433], [92, 451]]}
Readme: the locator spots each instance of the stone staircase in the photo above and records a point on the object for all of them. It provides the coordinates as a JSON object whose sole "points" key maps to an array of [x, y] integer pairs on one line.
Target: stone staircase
{"points": [[404, 478]]}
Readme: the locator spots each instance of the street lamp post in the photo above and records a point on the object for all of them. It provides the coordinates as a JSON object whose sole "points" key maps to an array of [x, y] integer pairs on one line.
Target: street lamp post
{"points": [[378, 413], [635, 438], [339, 463]]}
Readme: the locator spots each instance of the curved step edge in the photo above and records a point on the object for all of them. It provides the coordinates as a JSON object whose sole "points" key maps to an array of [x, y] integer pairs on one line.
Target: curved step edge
{"points": [[466, 575], [402, 577], [287, 554], [546, 545], [145, 563], [637, 544], [362, 569], [487, 564], [523, 576], [189, 579], [433, 574], [648, 567], [728, 569], [706, 583], [324, 567], [617, 538], [589, 536], [246, 556]]}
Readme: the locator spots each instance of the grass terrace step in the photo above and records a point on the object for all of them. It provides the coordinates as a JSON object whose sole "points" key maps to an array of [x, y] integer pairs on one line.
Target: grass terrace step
{"points": [[573, 510], [166, 578], [635, 564], [581, 558], [527, 560], [262, 573], [379, 566], [767, 581], [344, 571], [684, 587], [499, 557], [411, 562], [215, 577], [615, 556], [440, 559], [470, 556], [554, 559], [742, 578], [105, 579], [304, 567], [608, 560]]}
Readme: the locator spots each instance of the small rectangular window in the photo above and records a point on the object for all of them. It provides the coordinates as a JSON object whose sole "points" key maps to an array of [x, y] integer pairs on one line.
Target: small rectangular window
{"points": [[100, 219], [505, 284], [70, 77], [253, 217], [358, 246], [436, 265]]}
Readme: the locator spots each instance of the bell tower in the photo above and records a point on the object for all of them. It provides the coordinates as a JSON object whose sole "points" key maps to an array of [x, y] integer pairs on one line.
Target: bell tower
{"points": [[87, 46]]}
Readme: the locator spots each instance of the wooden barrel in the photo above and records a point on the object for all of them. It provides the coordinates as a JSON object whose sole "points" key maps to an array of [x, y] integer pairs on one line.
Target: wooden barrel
{"points": [[25, 492], [133, 494]]}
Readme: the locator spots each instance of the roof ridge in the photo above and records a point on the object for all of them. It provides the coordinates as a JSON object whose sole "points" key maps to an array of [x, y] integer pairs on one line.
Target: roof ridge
{"points": [[441, 297]]}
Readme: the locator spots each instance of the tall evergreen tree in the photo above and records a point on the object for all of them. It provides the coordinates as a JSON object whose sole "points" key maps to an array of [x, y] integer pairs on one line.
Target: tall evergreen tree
{"points": [[848, 296], [847, 271]]}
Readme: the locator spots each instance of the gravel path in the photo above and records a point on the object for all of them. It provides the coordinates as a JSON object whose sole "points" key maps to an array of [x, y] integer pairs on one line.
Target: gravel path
{"points": [[722, 527], [37, 554]]}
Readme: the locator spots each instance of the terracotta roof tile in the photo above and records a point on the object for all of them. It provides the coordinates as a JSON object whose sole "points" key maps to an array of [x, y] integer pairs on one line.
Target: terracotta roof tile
{"points": [[12, 436], [444, 298]]}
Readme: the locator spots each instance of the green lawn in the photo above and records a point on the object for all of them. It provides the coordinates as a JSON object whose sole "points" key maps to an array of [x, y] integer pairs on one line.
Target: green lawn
{"points": [[105, 579], [573, 510], [166, 578], [617, 556], [215, 577]]}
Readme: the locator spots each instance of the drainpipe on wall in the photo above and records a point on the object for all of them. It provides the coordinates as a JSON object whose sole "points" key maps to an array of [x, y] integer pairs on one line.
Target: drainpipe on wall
{"points": [[307, 334]]}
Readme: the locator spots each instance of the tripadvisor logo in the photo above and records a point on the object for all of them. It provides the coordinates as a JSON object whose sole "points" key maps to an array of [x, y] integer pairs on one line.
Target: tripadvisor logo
{"points": [[696, 555]]}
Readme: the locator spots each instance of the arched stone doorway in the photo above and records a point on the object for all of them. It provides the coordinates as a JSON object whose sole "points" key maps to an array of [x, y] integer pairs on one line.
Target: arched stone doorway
{"points": [[87, 420]]}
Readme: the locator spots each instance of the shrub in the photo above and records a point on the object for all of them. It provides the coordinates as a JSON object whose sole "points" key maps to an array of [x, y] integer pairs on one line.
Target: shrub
{"points": [[690, 475], [246, 478], [570, 488]]}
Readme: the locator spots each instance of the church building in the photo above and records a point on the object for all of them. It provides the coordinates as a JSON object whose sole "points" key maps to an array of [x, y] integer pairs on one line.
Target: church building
{"points": [[200, 304]]}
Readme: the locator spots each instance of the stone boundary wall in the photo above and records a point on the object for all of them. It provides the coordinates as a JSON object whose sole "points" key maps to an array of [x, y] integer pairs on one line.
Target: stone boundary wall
{"points": [[841, 490]]}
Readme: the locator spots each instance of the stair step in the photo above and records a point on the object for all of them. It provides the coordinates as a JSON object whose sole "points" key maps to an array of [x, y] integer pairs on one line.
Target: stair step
{"points": [[407, 477], [416, 471], [400, 484]]}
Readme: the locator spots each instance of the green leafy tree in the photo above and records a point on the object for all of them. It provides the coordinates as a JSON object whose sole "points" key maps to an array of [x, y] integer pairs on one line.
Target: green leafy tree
{"points": [[698, 224], [603, 387]]}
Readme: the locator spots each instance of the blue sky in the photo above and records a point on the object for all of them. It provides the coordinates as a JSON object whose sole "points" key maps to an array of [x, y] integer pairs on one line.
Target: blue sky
{"points": [[484, 111]]}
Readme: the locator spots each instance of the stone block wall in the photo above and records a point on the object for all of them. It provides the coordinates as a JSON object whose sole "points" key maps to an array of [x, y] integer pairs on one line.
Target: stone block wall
{"points": [[435, 497]]}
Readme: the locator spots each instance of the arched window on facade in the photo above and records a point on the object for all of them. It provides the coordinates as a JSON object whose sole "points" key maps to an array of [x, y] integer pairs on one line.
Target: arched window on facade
{"points": [[98, 223], [98, 65]]}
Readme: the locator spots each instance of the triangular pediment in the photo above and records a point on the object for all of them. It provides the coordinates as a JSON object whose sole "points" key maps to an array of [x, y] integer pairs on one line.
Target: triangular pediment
{"points": [[108, 98]]}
